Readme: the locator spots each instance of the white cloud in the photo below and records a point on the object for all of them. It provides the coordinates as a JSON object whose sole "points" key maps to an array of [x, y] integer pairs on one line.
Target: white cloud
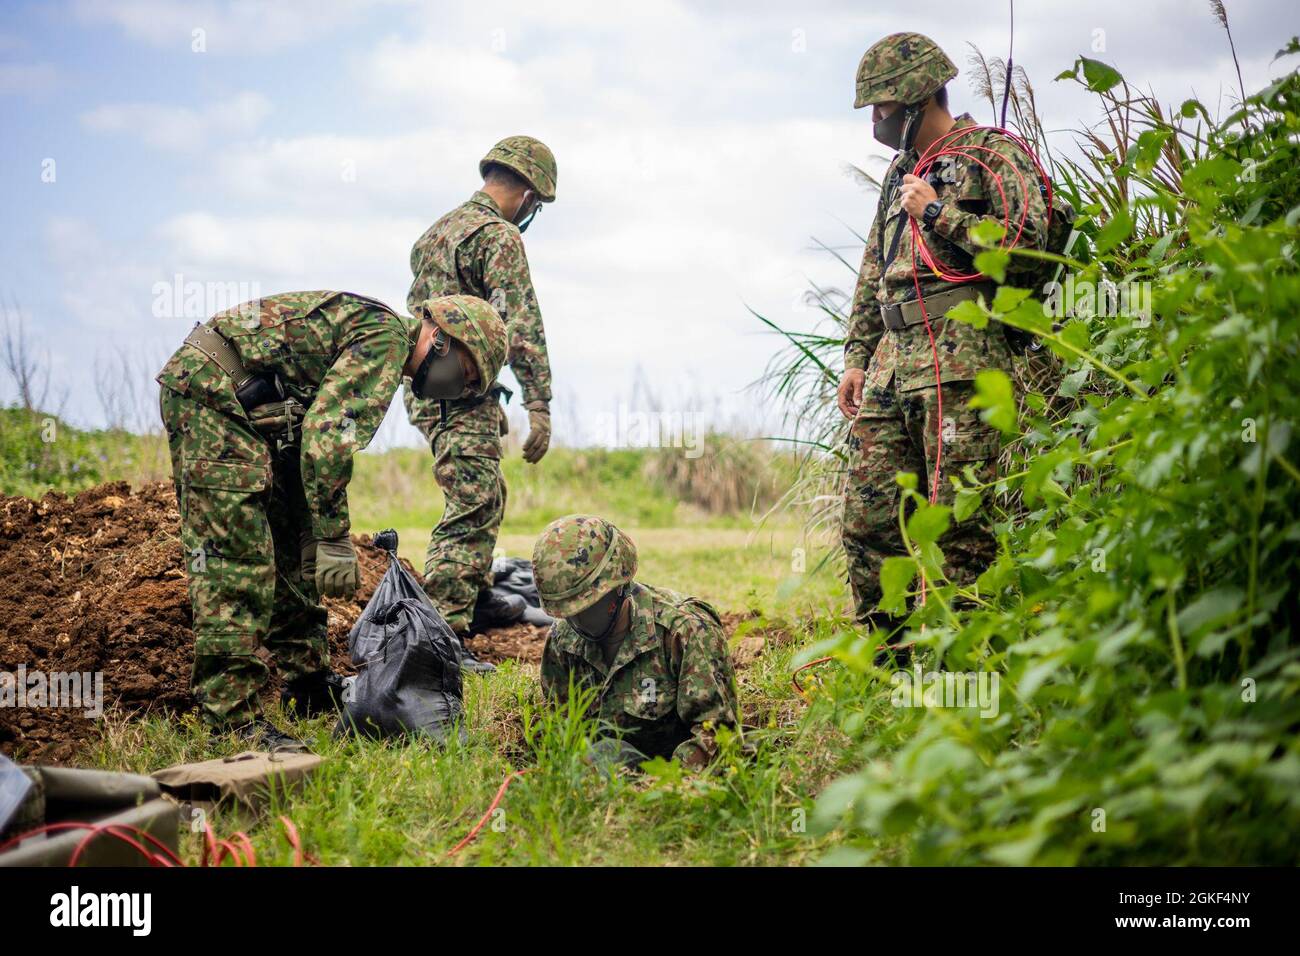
{"points": [[180, 128], [240, 27]]}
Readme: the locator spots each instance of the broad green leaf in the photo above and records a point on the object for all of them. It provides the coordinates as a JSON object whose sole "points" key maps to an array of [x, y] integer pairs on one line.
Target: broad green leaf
{"points": [[970, 313], [993, 392], [927, 523], [966, 504], [896, 574], [1099, 76], [988, 232], [993, 263], [1009, 297]]}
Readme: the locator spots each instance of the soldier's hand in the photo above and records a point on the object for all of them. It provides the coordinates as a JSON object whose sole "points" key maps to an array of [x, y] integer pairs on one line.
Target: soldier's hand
{"points": [[849, 397], [277, 419], [916, 194], [336, 567], [539, 432]]}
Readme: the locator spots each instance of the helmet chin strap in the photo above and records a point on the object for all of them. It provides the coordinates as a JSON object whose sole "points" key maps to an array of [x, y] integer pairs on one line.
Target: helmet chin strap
{"points": [[523, 222], [911, 125]]}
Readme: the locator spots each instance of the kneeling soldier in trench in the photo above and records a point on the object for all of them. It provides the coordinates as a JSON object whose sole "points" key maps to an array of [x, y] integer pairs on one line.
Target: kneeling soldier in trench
{"points": [[264, 406], [657, 659]]}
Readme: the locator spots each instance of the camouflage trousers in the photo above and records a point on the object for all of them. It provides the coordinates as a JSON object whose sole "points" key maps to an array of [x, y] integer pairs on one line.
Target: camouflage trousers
{"points": [[467, 466], [243, 510], [898, 431]]}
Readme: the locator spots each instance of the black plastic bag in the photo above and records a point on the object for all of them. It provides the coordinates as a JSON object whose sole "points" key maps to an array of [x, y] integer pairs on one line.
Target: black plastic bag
{"points": [[409, 680]]}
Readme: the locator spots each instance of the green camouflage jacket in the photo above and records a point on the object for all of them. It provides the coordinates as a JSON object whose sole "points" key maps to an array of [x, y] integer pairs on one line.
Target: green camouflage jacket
{"points": [[671, 683], [339, 354], [969, 196], [474, 251]]}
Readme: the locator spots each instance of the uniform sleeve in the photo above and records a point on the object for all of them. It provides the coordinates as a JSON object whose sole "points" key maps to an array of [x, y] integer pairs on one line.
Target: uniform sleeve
{"points": [[555, 676], [1022, 193], [347, 411], [865, 326], [499, 255], [706, 691]]}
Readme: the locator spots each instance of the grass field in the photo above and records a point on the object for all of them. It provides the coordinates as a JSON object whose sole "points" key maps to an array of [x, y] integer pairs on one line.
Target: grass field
{"points": [[394, 803]]}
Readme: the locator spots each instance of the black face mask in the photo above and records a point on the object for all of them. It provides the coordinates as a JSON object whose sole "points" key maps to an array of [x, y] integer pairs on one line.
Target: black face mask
{"points": [[898, 129], [524, 220], [441, 374], [597, 622]]}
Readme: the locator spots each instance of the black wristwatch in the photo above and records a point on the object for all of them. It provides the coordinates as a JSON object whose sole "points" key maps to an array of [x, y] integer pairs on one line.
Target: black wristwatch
{"points": [[931, 213]]}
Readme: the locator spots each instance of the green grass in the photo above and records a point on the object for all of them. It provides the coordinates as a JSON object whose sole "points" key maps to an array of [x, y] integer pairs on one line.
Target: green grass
{"points": [[396, 803]]}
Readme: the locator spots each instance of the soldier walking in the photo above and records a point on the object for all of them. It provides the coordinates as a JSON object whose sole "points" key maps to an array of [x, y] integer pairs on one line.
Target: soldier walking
{"points": [[477, 249]]}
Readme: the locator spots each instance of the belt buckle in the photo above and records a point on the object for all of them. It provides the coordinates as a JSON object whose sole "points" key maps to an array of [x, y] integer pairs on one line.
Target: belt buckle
{"points": [[892, 317]]}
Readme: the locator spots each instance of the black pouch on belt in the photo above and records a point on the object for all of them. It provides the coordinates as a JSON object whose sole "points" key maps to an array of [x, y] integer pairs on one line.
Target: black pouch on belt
{"points": [[258, 390]]}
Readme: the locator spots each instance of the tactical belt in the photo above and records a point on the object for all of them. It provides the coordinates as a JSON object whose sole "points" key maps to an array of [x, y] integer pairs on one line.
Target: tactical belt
{"points": [[902, 315], [277, 416], [214, 345]]}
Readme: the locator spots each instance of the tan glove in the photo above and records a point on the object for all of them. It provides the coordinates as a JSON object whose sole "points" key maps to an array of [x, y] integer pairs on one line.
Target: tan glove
{"points": [[539, 432], [336, 567]]}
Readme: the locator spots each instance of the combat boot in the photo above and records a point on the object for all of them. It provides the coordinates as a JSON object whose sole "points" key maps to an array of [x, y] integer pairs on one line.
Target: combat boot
{"points": [[470, 663], [261, 734]]}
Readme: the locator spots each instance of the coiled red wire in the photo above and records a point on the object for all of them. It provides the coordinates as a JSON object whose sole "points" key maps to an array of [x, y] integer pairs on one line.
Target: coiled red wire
{"points": [[949, 145], [239, 847]]}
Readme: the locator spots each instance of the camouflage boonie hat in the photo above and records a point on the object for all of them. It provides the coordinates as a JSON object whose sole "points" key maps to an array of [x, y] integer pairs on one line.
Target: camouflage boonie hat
{"points": [[577, 560], [472, 322], [905, 67], [530, 158]]}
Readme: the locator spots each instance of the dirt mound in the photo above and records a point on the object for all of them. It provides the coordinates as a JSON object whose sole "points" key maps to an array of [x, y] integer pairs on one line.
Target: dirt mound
{"points": [[97, 583]]}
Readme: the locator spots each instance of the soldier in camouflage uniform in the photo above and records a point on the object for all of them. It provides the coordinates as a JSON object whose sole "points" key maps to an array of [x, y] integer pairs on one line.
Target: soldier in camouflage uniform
{"points": [[264, 407], [657, 660], [889, 384], [477, 249]]}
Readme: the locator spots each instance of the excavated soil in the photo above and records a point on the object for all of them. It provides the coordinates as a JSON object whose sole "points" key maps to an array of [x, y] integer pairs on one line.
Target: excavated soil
{"points": [[96, 582]]}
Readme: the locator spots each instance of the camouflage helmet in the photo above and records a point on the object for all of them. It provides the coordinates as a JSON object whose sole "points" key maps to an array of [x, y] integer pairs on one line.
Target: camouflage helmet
{"points": [[577, 560], [473, 323], [905, 67], [528, 157]]}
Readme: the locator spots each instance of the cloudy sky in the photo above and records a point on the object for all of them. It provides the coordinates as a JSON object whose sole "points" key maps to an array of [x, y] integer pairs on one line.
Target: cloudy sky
{"points": [[701, 146]]}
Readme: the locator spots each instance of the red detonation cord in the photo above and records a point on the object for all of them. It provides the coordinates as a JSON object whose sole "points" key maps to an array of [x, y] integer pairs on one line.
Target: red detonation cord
{"points": [[214, 850], [501, 792], [239, 848], [947, 146]]}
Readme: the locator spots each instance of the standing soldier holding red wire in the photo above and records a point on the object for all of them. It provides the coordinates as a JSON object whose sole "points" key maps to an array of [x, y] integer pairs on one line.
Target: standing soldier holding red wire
{"points": [[903, 360]]}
